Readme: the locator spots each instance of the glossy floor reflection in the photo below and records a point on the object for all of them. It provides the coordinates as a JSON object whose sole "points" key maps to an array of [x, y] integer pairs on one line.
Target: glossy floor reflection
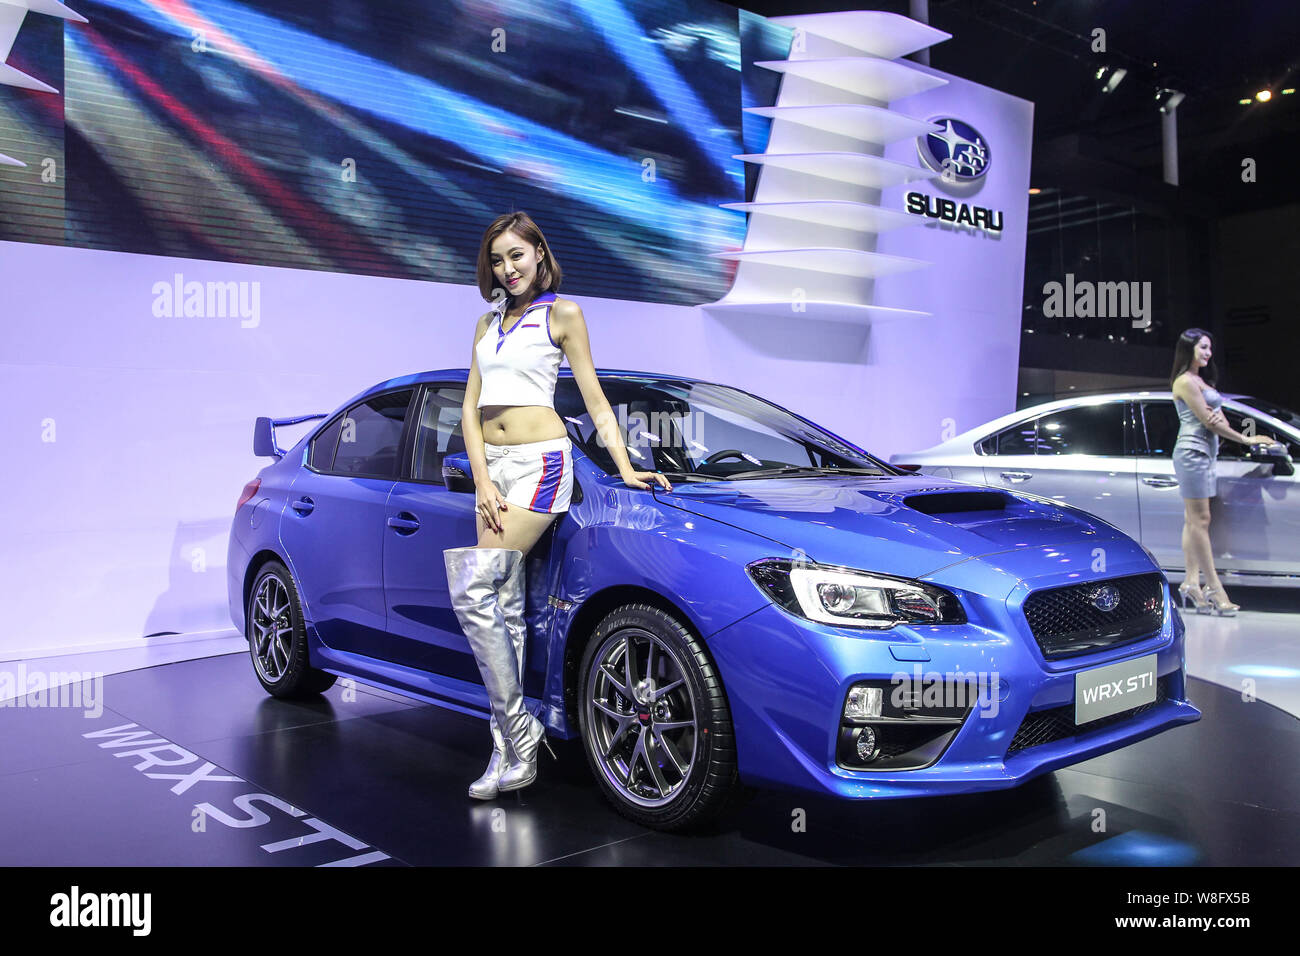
{"points": [[1256, 651], [190, 763]]}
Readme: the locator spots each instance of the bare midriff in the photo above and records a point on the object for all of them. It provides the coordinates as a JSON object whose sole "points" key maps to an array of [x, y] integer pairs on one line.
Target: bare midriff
{"points": [[520, 424]]}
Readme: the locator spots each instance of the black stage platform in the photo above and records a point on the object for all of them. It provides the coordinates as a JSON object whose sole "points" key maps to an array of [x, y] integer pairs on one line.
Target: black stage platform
{"points": [[380, 780]]}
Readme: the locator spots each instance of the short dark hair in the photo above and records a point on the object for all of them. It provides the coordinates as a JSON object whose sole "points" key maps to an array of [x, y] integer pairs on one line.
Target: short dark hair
{"points": [[1183, 356], [549, 272]]}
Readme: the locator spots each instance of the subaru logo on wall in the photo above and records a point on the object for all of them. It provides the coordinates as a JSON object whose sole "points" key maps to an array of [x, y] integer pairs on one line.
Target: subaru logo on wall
{"points": [[958, 148], [1105, 598]]}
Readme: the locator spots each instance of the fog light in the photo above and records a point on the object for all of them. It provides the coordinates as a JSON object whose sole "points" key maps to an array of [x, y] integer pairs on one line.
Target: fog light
{"points": [[866, 744], [864, 702]]}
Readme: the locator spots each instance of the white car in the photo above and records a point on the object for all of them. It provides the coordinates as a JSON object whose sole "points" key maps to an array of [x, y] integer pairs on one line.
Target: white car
{"points": [[1110, 455]]}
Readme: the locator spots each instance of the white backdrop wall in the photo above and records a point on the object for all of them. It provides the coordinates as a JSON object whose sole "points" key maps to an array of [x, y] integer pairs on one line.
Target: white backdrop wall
{"points": [[127, 431], [957, 368]]}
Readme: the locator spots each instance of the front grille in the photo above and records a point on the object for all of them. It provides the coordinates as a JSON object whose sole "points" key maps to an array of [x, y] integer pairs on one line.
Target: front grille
{"points": [[1049, 726], [1065, 622]]}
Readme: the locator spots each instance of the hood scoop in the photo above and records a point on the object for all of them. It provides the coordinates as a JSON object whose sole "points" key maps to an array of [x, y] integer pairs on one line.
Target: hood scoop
{"points": [[957, 502]]}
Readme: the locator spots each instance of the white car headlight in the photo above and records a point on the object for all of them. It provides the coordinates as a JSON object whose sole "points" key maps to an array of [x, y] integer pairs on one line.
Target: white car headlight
{"points": [[847, 597]]}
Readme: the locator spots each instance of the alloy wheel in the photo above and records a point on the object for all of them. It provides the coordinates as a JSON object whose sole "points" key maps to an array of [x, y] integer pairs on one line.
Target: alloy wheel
{"points": [[641, 718], [272, 629]]}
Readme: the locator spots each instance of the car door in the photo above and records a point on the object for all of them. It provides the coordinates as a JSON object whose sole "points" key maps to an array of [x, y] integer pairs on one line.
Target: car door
{"points": [[1012, 462], [1255, 515], [1160, 505], [423, 518], [1076, 455], [333, 528]]}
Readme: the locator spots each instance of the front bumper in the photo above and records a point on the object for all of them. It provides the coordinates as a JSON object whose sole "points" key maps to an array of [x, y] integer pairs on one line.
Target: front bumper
{"points": [[787, 679]]}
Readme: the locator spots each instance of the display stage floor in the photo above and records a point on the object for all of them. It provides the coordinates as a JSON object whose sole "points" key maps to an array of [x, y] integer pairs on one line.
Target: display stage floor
{"points": [[380, 780]]}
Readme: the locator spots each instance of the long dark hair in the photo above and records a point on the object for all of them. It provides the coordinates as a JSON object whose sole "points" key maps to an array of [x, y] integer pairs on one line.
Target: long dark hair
{"points": [[549, 272], [1183, 353]]}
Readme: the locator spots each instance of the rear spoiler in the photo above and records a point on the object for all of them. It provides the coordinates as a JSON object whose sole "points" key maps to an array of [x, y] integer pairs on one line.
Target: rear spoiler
{"points": [[264, 445]]}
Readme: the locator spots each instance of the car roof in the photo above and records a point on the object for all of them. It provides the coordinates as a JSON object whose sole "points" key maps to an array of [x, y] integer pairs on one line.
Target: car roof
{"points": [[1034, 411], [458, 375], [462, 375]]}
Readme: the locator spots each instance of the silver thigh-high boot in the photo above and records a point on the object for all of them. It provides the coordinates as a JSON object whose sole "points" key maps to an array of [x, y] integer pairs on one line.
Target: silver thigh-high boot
{"points": [[475, 577], [521, 764], [485, 787], [510, 597]]}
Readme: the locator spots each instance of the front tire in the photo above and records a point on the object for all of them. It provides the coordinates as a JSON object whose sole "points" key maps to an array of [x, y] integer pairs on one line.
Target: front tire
{"points": [[277, 636], [655, 722]]}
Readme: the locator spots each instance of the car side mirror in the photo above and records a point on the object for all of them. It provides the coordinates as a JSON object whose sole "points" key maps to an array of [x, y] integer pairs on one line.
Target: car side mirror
{"points": [[456, 473], [1276, 455]]}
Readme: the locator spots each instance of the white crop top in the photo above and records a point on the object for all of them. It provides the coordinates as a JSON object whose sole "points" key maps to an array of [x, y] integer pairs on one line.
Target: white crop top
{"points": [[519, 365]]}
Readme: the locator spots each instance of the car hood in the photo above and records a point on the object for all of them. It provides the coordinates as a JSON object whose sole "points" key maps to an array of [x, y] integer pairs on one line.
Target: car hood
{"points": [[911, 526]]}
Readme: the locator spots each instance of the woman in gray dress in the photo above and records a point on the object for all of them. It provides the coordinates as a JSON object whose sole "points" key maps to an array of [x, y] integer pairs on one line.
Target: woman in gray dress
{"points": [[1201, 422]]}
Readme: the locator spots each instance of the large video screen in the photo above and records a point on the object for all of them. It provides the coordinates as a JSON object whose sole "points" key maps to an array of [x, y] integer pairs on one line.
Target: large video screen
{"points": [[382, 138]]}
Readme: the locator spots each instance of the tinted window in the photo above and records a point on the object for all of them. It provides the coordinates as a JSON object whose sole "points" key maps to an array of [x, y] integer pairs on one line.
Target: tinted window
{"points": [[322, 446], [1016, 440], [701, 429], [438, 433], [1248, 425], [1159, 424], [370, 436], [1280, 412], [1089, 430]]}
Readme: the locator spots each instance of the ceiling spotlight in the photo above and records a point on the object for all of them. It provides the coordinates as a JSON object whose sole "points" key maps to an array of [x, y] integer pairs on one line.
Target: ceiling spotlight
{"points": [[1264, 95], [1111, 77], [1288, 91], [1034, 190], [1168, 100], [1245, 102]]}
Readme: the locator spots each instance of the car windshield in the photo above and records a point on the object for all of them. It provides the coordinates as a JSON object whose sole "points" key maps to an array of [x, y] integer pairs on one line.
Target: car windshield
{"points": [[699, 431], [1282, 414]]}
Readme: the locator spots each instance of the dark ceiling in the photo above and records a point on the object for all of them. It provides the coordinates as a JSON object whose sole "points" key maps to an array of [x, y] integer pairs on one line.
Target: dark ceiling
{"points": [[1215, 51]]}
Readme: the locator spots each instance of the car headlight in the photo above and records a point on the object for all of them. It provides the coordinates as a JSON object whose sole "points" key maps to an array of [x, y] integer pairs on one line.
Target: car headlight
{"points": [[851, 598]]}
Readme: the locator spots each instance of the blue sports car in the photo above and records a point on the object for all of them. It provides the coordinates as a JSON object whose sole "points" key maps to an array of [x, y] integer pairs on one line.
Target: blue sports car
{"points": [[794, 613]]}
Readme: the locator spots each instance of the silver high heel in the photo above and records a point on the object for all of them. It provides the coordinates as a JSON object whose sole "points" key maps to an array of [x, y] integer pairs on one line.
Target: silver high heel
{"points": [[479, 581], [1199, 600], [1224, 608], [521, 757]]}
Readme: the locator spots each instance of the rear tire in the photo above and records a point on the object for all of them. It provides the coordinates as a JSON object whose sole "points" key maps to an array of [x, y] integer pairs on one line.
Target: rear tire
{"points": [[277, 636], [655, 723]]}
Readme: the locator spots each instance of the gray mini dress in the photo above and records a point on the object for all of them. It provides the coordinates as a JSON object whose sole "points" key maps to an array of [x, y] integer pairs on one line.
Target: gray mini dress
{"points": [[1196, 449]]}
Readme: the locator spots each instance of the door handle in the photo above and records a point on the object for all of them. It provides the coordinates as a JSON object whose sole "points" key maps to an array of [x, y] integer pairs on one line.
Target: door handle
{"points": [[1159, 481], [1015, 477], [304, 505], [404, 523]]}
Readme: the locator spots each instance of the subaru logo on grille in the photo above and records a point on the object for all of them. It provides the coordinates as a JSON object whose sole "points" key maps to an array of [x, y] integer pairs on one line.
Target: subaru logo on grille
{"points": [[1105, 598]]}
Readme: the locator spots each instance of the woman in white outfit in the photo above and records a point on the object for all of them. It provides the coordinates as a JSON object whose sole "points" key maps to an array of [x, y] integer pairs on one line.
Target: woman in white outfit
{"points": [[523, 470]]}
